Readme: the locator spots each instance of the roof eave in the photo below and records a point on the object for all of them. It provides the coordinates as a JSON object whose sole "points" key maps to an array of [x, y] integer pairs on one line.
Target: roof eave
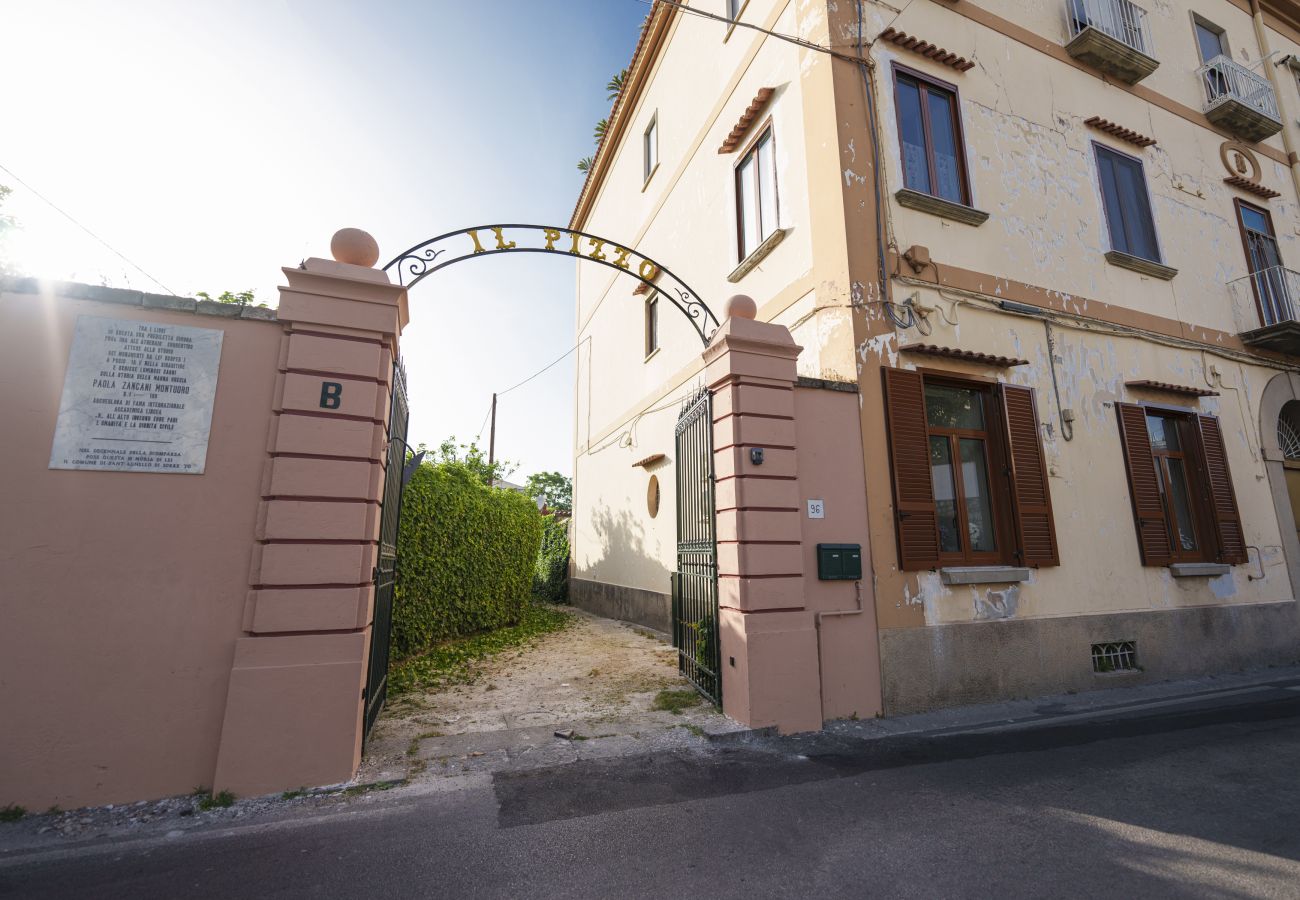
{"points": [[644, 57]]}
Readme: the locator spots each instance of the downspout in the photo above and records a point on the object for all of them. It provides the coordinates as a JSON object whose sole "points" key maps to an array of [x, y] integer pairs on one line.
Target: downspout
{"points": [[1261, 36]]}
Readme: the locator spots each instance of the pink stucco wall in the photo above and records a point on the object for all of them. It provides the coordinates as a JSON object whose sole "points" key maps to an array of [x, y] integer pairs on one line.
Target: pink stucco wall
{"points": [[121, 593], [830, 469]]}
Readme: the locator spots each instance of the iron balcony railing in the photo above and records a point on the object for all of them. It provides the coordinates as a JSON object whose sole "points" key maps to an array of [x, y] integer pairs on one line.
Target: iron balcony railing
{"points": [[1122, 20], [1226, 80], [1264, 298]]}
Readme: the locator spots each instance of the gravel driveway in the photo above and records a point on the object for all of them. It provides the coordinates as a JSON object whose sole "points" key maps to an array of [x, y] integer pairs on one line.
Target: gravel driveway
{"points": [[594, 682]]}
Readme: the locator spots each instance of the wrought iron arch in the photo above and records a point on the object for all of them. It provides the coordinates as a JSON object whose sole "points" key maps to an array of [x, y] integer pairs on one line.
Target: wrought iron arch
{"points": [[427, 257]]}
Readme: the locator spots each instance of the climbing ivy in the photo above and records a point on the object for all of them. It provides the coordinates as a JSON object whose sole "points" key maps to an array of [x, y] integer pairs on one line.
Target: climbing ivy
{"points": [[551, 580], [466, 557]]}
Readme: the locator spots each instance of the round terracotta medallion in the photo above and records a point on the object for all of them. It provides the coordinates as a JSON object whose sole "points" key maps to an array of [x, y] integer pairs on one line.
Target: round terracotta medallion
{"points": [[652, 496]]}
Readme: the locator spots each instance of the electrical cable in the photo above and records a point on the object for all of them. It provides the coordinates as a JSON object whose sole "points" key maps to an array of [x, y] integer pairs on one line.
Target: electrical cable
{"points": [[539, 371], [736, 23], [69, 217], [544, 368], [483, 425], [1078, 322]]}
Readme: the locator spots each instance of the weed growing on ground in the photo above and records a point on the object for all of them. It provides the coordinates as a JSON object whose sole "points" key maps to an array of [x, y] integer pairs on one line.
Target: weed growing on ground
{"points": [[12, 813], [694, 729], [358, 789], [217, 801], [294, 795], [452, 662], [676, 701]]}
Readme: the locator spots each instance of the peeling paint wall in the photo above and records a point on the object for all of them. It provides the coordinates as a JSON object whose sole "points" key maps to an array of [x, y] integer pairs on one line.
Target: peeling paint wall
{"points": [[1032, 167], [1100, 567]]}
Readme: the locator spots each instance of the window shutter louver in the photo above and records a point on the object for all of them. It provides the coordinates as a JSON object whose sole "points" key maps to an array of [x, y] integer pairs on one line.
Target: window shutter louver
{"points": [[1030, 497], [1148, 508], [1223, 500], [909, 449]]}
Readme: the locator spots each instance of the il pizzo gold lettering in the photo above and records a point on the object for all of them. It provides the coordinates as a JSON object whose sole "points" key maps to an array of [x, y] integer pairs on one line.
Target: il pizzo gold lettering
{"points": [[622, 256], [501, 241]]}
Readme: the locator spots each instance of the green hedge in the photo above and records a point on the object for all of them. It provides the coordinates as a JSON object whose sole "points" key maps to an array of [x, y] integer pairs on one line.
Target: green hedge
{"points": [[551, 580], [466, 557]]}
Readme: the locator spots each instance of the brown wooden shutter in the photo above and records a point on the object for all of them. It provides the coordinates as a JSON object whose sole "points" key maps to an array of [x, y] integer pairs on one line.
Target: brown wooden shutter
{"points": [[1223, 501], [909, 451], [1148, 508], [1030, 497]]}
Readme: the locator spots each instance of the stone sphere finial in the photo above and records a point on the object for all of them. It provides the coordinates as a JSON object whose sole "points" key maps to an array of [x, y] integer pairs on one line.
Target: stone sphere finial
{"points": [[740, 307], [354, 247]]}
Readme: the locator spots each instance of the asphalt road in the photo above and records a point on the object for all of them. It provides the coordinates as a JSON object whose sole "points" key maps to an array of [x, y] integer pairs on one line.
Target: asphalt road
{"points": [[1192, 800]]}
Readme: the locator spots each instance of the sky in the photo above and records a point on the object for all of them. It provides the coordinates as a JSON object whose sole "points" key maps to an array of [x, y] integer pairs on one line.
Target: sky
{"points": [[212, 142]]}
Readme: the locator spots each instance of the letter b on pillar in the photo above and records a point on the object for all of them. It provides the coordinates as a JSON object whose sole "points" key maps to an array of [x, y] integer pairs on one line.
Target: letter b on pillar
{"points": [[294, 705]]}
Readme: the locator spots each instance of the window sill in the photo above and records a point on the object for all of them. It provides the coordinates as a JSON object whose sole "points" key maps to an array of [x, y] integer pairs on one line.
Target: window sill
{"points": [[1140, 265], [983, 574], [645, 184], [652, 354], [1199, 570], [760, 252], [938, 206]]}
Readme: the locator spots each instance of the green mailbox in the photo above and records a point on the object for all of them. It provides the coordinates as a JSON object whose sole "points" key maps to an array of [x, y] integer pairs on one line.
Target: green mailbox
{"points": [[839, 562]]}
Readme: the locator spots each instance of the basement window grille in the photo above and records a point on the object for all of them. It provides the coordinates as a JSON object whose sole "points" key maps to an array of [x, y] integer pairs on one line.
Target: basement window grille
{"points": [[1115, 656]]}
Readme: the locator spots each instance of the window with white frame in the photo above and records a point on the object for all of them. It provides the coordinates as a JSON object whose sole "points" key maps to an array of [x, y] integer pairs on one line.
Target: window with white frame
{"points": [[756, 201], [650, 147]]}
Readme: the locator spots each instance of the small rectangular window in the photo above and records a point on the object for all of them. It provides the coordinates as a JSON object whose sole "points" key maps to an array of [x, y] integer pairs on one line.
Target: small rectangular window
{"points": [[1127, 204], [733, 9], [650, 146], [651, 325], [756, 197], [929, 127]]}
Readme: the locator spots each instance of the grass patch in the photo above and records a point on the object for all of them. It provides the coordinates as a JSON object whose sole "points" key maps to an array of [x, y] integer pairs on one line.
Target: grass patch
{"points": [[294, 795], [676, 701], [217, 801], [453, 662], [693, 729], [12, 813]]}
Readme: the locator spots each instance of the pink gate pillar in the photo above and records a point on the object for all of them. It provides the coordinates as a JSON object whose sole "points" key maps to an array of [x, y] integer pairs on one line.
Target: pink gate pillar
{"points": [[768, 636], [294, 707]]}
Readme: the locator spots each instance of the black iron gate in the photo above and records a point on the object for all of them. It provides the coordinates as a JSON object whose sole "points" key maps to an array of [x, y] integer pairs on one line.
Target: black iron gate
{"points": [[695, 583], [390, 512]]}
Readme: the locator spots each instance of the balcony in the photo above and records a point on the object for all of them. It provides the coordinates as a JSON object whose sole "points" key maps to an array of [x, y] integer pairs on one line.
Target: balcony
{"points": [[1264, 309], [1239, 100], [1111, 35]]}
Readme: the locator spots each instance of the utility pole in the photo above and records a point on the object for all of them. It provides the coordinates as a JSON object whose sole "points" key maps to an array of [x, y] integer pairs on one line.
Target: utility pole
{"points": [[492, 442]]}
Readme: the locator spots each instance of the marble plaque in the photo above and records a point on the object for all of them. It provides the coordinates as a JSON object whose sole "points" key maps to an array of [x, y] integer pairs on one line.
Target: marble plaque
{"points": [[137, 397]]}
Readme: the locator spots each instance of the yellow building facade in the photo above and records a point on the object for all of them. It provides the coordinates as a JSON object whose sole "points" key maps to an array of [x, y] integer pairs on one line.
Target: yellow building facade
{"points": [[1047, 244]]}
